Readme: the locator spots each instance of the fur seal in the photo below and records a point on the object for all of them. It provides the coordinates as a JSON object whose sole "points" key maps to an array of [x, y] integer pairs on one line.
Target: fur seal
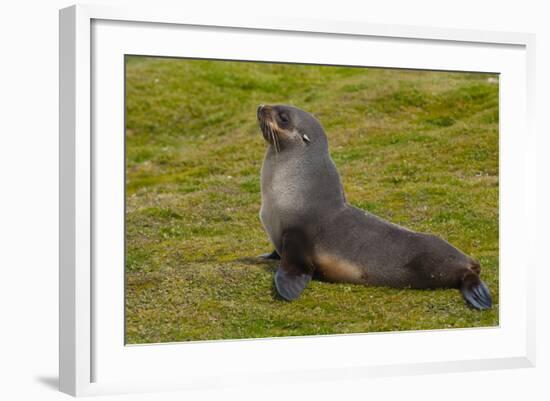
{"points": [[319, 235]]}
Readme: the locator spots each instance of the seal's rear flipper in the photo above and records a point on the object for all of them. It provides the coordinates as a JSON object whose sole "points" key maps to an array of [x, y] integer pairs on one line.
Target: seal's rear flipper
{"points": [[270, 256], [295, 271], [475, 292]]}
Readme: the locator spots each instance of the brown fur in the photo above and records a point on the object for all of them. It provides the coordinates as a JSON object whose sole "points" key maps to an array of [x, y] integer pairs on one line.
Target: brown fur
{"points": [[336, 269]]}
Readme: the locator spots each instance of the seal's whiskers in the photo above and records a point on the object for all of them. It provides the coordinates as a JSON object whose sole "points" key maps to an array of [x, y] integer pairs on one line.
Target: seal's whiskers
{"points": [[276, 139]]}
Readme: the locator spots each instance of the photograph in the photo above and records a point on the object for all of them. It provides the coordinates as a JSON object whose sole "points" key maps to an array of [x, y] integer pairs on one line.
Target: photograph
{"points": [[269, 199]]}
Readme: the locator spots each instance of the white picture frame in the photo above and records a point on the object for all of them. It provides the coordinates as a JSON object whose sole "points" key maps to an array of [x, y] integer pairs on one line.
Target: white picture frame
{"points": [[94, 360]]}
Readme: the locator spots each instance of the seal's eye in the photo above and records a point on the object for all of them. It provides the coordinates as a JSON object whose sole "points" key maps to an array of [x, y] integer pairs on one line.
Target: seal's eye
{"points": [[284, 118]]}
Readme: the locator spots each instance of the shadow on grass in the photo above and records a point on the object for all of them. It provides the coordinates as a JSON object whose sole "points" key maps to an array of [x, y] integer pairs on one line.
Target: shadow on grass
{"points": [[266, 264]]}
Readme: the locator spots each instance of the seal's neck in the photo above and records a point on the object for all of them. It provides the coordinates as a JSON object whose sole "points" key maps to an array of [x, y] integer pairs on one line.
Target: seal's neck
{"points": [[304, 174]]}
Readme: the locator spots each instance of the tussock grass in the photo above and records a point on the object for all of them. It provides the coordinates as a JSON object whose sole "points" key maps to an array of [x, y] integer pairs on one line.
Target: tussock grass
{"points": [[418, 148]]}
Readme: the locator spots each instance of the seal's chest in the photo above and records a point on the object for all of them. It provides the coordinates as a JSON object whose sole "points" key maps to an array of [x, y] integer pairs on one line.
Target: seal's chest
{"points": [[284, 193], [288, 190], [281, 205]]}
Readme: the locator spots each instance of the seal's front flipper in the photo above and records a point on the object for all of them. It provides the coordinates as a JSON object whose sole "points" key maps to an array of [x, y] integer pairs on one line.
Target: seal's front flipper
{"points": [[295, 271], [290, 286], [475, 292], [270, 256]]}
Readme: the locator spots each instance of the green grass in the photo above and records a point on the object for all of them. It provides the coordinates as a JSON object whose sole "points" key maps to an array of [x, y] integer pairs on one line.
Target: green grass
{"points": [[417, 148]]}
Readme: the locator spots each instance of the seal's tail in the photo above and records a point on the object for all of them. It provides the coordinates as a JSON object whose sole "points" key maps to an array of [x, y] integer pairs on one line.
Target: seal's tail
{"points": [[475, 292]]}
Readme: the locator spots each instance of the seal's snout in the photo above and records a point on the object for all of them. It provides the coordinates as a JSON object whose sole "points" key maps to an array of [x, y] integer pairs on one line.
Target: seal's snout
{"points": [[268, 126], [262, 111], [259, 111]]}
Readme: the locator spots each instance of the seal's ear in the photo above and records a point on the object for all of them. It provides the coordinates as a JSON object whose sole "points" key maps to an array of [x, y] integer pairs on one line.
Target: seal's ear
{"points": [[306, 138], [295, 271]]}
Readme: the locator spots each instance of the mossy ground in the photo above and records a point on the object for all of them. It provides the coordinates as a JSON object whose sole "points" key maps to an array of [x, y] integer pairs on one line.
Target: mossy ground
{"points": [[417, 148]]}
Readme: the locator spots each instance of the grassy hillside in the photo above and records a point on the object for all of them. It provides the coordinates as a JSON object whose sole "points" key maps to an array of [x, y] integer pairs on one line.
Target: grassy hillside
{"points": [[417, 148]]}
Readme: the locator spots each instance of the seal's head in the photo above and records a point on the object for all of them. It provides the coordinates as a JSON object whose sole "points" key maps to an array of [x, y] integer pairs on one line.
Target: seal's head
{"points": [[288, 127]]}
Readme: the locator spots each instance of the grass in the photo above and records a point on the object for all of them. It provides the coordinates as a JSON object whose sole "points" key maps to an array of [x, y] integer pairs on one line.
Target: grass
{"points": [[418, 148]]}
